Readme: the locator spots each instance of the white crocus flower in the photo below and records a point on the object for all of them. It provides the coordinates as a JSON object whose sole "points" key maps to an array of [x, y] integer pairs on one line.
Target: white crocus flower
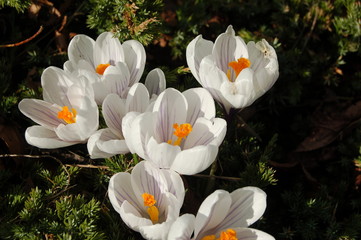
{"points": [[224, 216], [110, 141], [181, 132], [148, 200], [68, 114], [235, 73], [111, 66]]}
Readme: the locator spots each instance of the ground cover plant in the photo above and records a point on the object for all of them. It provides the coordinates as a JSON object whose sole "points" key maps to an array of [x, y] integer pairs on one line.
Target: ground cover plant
{"points": [[295, 140]]}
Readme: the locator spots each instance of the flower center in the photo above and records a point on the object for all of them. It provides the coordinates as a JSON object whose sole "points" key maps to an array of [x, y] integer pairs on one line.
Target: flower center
{"points": [[152, 210], [238, 66], [101, 68], [181, 131], [229, 234], [67, 116]]}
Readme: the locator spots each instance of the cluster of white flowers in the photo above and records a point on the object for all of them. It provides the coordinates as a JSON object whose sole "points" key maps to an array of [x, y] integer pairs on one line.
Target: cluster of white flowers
{"points": [[174, 132]]}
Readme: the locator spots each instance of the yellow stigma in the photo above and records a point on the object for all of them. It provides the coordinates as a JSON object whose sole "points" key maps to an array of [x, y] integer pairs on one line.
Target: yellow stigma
{"points": [[209, 237], [229, 234], [67, 116], [238, 66], [101, 68], [181, 131], [152, 210]]}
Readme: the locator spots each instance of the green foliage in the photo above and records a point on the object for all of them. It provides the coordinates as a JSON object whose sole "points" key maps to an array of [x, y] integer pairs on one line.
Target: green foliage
{"points": [[19, 5], [137, 19]]}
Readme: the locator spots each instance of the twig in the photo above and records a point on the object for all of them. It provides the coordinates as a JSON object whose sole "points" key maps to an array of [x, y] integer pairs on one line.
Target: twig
{"points": [[219, 177], [25, 41], [87, 166]]}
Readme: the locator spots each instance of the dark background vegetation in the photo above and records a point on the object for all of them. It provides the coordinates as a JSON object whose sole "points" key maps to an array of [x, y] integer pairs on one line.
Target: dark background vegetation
{"points": [[300, 142]]}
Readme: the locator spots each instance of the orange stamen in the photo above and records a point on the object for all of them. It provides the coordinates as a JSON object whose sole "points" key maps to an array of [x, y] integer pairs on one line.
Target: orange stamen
{"points": [[181, 131], [67, 116], [238, 66], [148, 199], [101, 68], [229, 234]]}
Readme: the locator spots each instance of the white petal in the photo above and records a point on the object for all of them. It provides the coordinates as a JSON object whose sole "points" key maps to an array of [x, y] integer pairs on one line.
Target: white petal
{"points": [[132, 217], [155, 232], [113, 112], [41, 137], [175, 185], [115, 80], [228, 48], [120, 190], [182, 228], [135, 58], [92, 147], [155, 81], [55, 83], [171, 107], [197, 49], [206, 132], [81, 47], [240, 93], [86, 124], [110, 143], [248, 205], [137, 98], [212, 78], [195, 160], [160, 230], [252, 234], [107, 49], [161, 154], [41, 112], [146, 178], [211, 212], [137, 128], [200, 104]]}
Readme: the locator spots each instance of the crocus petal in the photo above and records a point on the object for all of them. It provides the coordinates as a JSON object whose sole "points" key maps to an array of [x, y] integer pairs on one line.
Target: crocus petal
{"points": [[175, 186], [55, 83], [160, 230], [240, 93], [197, 49], [41, 137], [171, 107], [161, 154], [248, 205], [146, 178], [107, 49], [155, 82], [41, 112], [120, 190], [228, 48], [251, 234], [132, 217], [136, 131], [92, 147], [195, 160], [135, 58], [182, 228], [81, 47], [113, 112], [212, 78], [211, 212], [115, 79], [202, 104], [206, 132], [137, 98], [110, 143], [87, 121]]}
